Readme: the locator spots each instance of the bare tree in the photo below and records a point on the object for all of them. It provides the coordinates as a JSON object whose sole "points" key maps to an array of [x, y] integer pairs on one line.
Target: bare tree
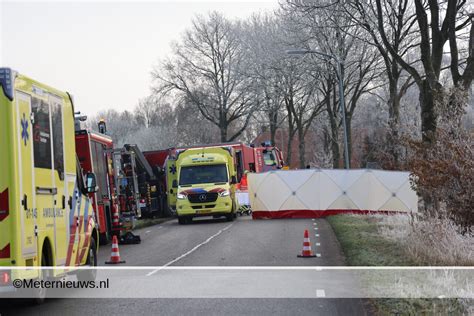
{"points": [[301, 102], [435, 32], [205, 70], [146, 110], [325, 28], [399, 27], [264, 55]]}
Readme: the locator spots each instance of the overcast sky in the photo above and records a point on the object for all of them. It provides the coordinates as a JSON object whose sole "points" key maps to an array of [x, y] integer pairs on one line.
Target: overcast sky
{"points": [[101, 52]]}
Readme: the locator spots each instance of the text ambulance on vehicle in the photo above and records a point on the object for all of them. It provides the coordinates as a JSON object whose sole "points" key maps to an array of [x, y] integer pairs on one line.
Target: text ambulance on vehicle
{"points": [[46, 218], [205, 183]]}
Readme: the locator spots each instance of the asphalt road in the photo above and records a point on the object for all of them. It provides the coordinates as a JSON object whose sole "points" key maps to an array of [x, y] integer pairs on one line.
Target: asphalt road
{"points": [[244, 242]]}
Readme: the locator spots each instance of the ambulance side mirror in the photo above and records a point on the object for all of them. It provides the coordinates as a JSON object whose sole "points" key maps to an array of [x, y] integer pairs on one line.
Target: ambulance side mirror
{"points": [[91, 183]]}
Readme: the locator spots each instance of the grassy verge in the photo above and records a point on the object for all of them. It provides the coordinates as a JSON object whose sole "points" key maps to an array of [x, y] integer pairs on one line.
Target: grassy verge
{"points": [[146, 222], [363, 245]]}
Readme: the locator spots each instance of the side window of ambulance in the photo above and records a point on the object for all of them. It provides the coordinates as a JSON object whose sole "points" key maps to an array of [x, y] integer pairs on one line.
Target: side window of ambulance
{"points": [[41, 133], [57, 119]]}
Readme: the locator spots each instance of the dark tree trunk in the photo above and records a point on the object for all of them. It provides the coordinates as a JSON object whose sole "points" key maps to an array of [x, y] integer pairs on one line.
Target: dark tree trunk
{"points": [[223, 130], [273, 126], [301, 147], [429, 93], [291, 133], [393, 140], [223, 125], [223, 136], [349, 140]]}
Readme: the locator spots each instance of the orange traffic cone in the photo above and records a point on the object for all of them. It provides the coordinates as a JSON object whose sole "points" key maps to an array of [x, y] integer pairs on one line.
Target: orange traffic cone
{"points": [[115, 255], [307, 252], [115, 218]]}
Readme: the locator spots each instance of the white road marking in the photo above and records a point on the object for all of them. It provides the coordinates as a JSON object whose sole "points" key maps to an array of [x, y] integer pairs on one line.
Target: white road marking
{"points": [[414, 268], [148, 231], [190, 251], [315, 228], [320, 293], [317, 235], [318, 255], [315, 224], [313, 219], [318, 244]]}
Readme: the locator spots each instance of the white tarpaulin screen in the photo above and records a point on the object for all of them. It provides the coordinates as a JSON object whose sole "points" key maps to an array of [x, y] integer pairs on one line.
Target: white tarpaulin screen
{"points": [[320, 192]]}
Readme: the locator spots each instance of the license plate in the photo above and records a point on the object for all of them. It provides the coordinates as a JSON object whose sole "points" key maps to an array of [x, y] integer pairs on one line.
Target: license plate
{"points": [[203, 211]]}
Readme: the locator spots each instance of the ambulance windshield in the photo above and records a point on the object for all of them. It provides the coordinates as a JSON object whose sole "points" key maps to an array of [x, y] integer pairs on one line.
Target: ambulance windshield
{"points": [[190, 175]]}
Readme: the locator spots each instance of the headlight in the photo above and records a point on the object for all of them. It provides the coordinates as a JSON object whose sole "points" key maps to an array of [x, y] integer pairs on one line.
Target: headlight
{"points": [[225, 193], [181, 196]]}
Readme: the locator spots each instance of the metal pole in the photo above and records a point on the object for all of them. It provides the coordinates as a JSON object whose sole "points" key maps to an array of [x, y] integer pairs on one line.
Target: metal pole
{"points": [[343, 112]]}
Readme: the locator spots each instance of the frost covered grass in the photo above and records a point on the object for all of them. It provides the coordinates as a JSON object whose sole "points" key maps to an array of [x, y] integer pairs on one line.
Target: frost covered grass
{"points": [[400, 240], [433, 241], [362, 244]]}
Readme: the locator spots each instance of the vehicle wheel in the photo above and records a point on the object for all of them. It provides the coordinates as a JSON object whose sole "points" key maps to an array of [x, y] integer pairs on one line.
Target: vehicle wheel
{"points": [[89, 274], [39, 294], [182, 220], [234, 211], [230, 217], [105, 238]]}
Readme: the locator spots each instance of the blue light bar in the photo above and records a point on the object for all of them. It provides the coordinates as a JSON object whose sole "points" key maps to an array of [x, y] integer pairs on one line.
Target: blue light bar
{"points": [[6, 81]]}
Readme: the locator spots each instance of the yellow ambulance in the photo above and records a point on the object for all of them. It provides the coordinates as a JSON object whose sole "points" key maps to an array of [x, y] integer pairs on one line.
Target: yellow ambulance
{"points": [[205, 183], [46, 218]]}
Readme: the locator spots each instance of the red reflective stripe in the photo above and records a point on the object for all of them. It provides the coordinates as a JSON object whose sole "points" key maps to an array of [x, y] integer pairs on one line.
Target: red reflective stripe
{"points": [[78, 257], [72, 237], [314, 213], [5, 252], [4, 208], [86, 240]]}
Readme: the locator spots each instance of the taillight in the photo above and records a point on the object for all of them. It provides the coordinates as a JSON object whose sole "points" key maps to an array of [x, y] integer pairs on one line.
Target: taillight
{"points": [[4, 208], [5, 277], [5, 252]]}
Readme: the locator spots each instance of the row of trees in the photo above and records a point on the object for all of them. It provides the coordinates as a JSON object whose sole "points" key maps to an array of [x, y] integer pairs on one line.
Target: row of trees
{"points": [[236, 77], [237, 73], [407, 69]]}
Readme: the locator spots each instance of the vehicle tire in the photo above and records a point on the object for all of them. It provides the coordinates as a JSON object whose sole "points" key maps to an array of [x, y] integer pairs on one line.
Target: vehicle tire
{"points": [[89, 274], [39, 294], [105, 238], [182, 220], [232, 215], [234, 211]]}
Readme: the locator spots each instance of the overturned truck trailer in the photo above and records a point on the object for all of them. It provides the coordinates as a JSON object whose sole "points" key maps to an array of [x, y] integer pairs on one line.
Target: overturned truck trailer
{"points": [[322, 192]]}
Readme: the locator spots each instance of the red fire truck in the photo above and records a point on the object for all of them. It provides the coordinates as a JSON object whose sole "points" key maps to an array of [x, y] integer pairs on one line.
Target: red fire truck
{"points": [[95, 153], [91, 149]]}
